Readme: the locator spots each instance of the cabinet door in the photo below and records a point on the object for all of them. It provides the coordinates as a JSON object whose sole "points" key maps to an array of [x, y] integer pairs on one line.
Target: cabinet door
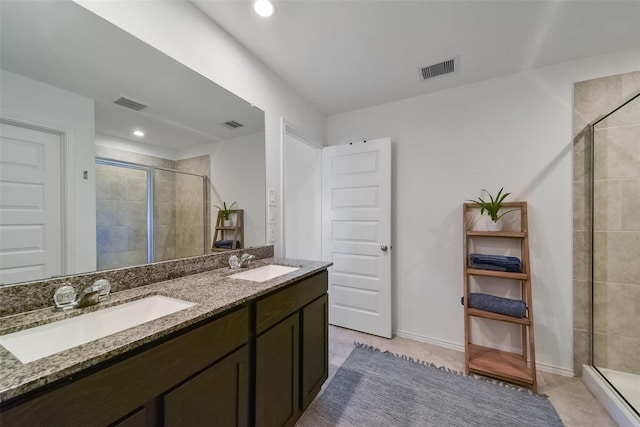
{"points": [[315, 348], [277, 374], [219, 396], [137, 419], [145, 416]]}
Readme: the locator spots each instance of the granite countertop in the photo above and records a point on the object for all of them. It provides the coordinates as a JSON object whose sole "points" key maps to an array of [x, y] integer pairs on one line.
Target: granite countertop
{"points": [[212, 291]]}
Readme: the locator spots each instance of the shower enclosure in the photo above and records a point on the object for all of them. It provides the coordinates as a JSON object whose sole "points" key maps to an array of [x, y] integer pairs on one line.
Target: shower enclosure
{"points": [[615, 249], [148, 214]]}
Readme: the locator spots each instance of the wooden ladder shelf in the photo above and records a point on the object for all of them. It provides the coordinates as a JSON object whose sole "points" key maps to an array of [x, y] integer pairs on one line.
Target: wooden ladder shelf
{"points": [[515, 367], [234, 232]]}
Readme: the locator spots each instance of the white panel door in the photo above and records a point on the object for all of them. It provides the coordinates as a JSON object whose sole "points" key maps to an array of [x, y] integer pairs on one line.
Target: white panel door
{"points": [[356, 230], [30, 204]]}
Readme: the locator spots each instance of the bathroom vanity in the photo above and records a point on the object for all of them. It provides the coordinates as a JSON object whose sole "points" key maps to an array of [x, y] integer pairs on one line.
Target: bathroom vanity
{"points": [[247, 353]]}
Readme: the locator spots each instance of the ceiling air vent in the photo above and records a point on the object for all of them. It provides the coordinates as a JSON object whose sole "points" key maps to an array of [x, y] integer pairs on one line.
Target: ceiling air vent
{"points": [[434, 70], [130, 103], [233, 124]]}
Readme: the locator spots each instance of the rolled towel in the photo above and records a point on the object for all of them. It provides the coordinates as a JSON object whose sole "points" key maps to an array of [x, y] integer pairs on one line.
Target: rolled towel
{"points": [[226, 244], [499, 262], [494, 304]]}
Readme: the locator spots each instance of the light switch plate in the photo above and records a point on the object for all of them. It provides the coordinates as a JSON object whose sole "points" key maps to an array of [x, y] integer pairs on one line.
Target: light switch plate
{"points": [[272, 197], [271, 233], [271, 214]]}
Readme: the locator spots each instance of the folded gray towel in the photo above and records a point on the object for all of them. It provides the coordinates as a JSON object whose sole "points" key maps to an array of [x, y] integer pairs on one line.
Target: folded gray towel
{"points": [[226, 244], [497, 262], [494, 304]]}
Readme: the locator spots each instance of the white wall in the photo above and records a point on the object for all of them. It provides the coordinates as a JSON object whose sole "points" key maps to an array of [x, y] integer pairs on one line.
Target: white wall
{"points": [[302, 198], [237, 175], [181, 31], [513, 131], [111, 141], [30, 101]]}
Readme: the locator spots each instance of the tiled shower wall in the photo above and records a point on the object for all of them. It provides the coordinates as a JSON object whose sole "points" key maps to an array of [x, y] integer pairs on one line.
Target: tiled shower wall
{"points": [[616, 292], [617, 203], [121, 209], [192, 230], [164, 215], [121, 217]]}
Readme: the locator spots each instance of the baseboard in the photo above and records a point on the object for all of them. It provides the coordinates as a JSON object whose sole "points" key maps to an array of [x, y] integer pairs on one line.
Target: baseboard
{"points": [[421, 338], [544, 367]]}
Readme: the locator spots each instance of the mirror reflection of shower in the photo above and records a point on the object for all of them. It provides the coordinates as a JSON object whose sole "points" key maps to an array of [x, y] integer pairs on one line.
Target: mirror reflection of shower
{"points": [[615, 212], [148, 214]]}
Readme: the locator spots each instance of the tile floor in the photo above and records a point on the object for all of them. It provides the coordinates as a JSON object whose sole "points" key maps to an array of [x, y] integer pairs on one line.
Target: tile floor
{"points": [[575, 404]]}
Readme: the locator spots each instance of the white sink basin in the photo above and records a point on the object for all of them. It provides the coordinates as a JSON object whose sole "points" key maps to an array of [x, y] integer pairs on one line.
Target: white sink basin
{"points": [[262, 274], [42, 341]]}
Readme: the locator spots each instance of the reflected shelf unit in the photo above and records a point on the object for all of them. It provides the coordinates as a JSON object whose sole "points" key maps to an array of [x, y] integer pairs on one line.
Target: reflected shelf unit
{"points": [[515, 367], [233, 232]]}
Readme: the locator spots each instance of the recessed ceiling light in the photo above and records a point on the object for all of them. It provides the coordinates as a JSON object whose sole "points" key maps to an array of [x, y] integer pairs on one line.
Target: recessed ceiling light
{"points": [[138, 133], [263, 7]]}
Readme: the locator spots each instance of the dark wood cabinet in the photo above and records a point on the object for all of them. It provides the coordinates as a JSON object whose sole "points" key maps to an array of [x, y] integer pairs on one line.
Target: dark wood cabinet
{"points": [[292, 350], [315, 349], [277, 374], [137, 419], [219, 396], [107, 393], [259, 364]]}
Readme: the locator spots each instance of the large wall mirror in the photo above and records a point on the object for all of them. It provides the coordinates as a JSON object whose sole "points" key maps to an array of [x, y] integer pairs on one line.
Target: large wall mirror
{"points": [[80, 192]]}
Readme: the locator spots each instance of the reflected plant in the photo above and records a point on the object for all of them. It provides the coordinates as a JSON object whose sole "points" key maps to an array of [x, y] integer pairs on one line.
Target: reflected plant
{"points": [[224, 211]]}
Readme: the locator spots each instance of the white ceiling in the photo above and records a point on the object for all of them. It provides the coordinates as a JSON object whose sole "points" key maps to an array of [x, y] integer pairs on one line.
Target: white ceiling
{"points": [[62, 44], [346, 55]]}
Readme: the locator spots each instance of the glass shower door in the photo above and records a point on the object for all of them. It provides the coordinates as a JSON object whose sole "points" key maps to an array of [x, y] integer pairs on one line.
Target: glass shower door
{"points": [[121, 215], [180, 229], [616, 249]]}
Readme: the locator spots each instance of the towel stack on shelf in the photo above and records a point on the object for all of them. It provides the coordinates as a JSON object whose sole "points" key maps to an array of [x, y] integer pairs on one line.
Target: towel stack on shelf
{"points": [[495, 263], [226, 244], [494, 304]]}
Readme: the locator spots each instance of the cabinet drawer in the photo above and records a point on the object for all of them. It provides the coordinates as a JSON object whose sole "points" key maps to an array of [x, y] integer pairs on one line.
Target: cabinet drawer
{"points": [[100, 398], [276, 307]]}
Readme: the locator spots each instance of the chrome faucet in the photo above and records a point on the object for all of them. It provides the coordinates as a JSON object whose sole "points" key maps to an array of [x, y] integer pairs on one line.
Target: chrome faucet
{"points": [[65, 296], [246, 259], [89, 295]]}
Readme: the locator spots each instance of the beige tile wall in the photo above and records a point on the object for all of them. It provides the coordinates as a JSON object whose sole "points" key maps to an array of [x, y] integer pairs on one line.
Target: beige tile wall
{"points": [[164, 218], [121, 217], [616, 248], [193, 228], [616, 216]]}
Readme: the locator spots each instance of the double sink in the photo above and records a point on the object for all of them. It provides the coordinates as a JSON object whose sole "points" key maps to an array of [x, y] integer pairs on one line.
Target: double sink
{"points": [[41, 341]]}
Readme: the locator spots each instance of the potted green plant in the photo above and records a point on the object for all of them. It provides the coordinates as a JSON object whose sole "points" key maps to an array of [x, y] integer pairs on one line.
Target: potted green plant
{"points": [[225, 212], [493, 207]]}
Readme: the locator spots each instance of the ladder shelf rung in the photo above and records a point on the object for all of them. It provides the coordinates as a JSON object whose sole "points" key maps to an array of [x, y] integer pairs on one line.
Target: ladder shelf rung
{"points": [[492, 273], [497, 316], [507, 234], [500, 364]]}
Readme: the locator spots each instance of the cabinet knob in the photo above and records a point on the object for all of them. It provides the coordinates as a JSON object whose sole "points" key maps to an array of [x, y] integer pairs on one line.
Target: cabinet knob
{"points": [[383, 248]]}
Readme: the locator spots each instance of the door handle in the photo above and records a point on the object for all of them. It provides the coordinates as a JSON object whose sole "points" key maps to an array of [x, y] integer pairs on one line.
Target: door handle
{"points": [[383, 248]]}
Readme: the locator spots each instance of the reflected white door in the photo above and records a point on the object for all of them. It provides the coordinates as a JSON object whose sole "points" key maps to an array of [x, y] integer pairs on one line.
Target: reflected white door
{"points": [[356, 230], [30, 204]]}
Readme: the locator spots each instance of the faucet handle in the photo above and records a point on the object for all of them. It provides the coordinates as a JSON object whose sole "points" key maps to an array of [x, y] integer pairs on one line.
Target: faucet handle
{"points": [[234, 262], [103, 287], [64, 297]]}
